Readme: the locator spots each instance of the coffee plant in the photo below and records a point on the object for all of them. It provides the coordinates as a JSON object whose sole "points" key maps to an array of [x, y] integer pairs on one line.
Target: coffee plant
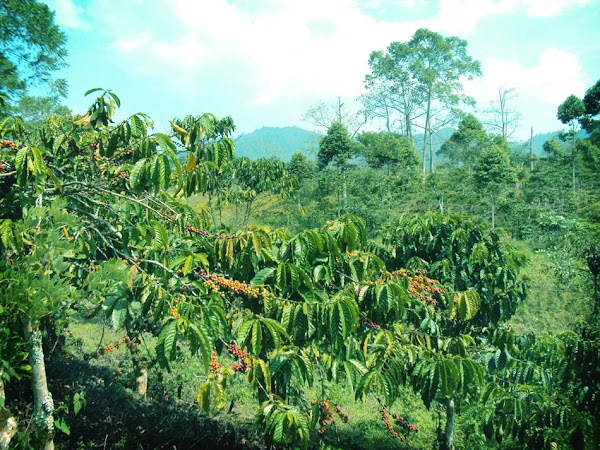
{"points": [[93, 217]]}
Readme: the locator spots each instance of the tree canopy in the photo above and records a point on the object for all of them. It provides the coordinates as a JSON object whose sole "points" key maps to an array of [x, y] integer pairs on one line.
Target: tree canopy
{"points": [[32, 47]]}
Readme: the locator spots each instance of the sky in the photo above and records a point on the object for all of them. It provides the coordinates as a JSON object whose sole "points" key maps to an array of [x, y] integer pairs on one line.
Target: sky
{"points": [[266, 62]]}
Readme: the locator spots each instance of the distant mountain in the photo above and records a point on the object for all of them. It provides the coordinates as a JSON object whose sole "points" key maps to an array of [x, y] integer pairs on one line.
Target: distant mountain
{"points": [[280, 142], [283, 142], [540, 139]]}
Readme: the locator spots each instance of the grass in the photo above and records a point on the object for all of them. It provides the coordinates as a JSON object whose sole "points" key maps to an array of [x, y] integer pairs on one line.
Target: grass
{"points": [[173, 393], [116, 417], [558, 293]]}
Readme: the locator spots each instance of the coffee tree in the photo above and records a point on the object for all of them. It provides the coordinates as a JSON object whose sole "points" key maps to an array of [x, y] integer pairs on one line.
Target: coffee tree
{"points": [[93, 209]]}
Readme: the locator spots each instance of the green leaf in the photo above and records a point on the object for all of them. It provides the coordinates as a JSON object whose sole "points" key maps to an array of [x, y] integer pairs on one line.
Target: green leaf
{"points": [[63, 426], [256, 337], [188, 265], [165, 142], [21, 166], [200, 341], [6, 233], [161, 236], [166, 348], [138, 129], [137, 173], [115, 98], [91, 91], [78, 402], [263, 275], [204, 396], [119, 313]]}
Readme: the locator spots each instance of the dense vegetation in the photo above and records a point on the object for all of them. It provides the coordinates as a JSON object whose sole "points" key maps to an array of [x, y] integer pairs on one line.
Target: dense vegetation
{"points": [[373, 276]]}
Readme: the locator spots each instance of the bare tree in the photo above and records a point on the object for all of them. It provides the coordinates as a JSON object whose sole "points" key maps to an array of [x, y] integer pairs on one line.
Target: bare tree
{"points": [[503, 117], [323, 115]]}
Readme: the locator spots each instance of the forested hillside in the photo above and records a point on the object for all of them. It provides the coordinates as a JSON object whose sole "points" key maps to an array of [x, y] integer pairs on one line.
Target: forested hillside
{"points": [[160, 290], [281, 143]]}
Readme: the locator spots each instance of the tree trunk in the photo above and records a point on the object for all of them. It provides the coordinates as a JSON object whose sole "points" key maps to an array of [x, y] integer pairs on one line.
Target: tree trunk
{"points": [[573, 157], [531, 151], [8, 428], [493, 213], [8, 424], [141, 377], [43, 405], [450, 425], [248, 213], [344, 194], [573, 130], [426, 131], [431, 162]]}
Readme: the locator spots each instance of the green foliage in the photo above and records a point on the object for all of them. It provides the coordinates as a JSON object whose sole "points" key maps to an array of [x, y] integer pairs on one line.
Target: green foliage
{"points": [[459, 253], [336, 147], [420, 309], [466, 143], [284, 425], [571, 109], [32, 46], [388, 150], [492, 169]]}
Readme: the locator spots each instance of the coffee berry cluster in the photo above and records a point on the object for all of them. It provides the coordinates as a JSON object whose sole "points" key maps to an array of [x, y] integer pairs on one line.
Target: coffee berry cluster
{"points": [[215, 365], [326, 418], [218, 282], [421, 286], [241, 355], [369, 323], [8, 144], [400, 421], [114, 346]]}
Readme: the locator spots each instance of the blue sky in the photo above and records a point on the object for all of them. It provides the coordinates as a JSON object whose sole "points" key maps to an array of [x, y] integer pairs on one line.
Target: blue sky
{"points": [[265, 62]]}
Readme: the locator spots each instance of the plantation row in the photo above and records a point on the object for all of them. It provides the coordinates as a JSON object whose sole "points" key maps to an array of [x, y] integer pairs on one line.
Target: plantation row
{"points": [[94, 224]]}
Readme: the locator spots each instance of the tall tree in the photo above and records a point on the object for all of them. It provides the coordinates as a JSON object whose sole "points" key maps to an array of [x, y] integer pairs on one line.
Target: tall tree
{"points": [[389, 150], [465, 144], [33, 110], [570, 112], [440, 66], [492, 172], [392, 92], [425, 76], [591, 101], [32, 47], [337, 148]]}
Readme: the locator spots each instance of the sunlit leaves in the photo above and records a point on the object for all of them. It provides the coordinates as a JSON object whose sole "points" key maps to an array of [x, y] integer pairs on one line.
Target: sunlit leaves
{"points": [[166, 348], [30, 166], [438, 377], [102, 111], [284, 425], [343, 316], [465, 305], [260, 333]]}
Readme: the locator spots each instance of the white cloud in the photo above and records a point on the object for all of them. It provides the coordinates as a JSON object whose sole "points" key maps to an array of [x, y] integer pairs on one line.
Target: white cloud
{"points": [[464, 16], [547, 8], [541, 87], [281, 49], [68, 14], [557, 75], [280, 55]]}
